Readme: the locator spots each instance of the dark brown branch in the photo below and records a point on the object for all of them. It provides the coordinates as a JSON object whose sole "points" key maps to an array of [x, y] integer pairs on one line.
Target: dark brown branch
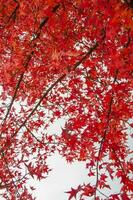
{"points": [[103, 194], [38, 104], [27, 63], [85, 56], [129, 3], [108, 114], [52, 86], [128, 41], [55, 8], [120, 163], [13, 14], [46, 92], [105, 133], [13, 98], [38, 140], [108, 119], [12, 182], [7, 185]]}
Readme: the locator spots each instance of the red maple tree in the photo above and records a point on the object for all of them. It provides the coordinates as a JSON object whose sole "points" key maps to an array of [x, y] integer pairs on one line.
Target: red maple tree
{"points": [[71, 59]]}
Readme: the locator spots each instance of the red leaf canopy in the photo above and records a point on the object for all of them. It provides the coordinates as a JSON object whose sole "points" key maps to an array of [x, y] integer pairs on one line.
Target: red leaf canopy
{"points": [[73, 60]]}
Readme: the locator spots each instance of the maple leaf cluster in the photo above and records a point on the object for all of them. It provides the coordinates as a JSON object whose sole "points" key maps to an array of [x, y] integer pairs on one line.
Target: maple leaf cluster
{"points": [[73, 60]]}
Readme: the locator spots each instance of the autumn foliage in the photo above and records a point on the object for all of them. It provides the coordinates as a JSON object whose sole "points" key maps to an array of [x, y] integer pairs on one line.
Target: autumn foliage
{"points": [[72, 60]]}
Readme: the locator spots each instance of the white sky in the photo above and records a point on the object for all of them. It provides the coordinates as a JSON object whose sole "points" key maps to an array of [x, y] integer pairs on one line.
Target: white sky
{"points": [[61, 179], [63, 175]]}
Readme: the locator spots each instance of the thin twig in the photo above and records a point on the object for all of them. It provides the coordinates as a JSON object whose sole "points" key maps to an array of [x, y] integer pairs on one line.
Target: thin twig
{"points": [[105, 133]]}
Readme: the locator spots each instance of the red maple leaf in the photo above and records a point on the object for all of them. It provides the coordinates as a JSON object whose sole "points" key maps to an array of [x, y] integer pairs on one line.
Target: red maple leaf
{"points": [[70, 60], [73, 192]]}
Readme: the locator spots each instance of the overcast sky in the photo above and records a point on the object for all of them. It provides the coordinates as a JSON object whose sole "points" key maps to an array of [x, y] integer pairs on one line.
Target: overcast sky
{"points": [[63, 175], [61, 179]]}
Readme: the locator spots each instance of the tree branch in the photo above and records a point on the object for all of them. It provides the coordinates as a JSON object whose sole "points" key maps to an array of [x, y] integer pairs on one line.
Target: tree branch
{"points": [[41, 25], [49, 89], [13, 14], [129, 3], [53, 85], [105, 133]]}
